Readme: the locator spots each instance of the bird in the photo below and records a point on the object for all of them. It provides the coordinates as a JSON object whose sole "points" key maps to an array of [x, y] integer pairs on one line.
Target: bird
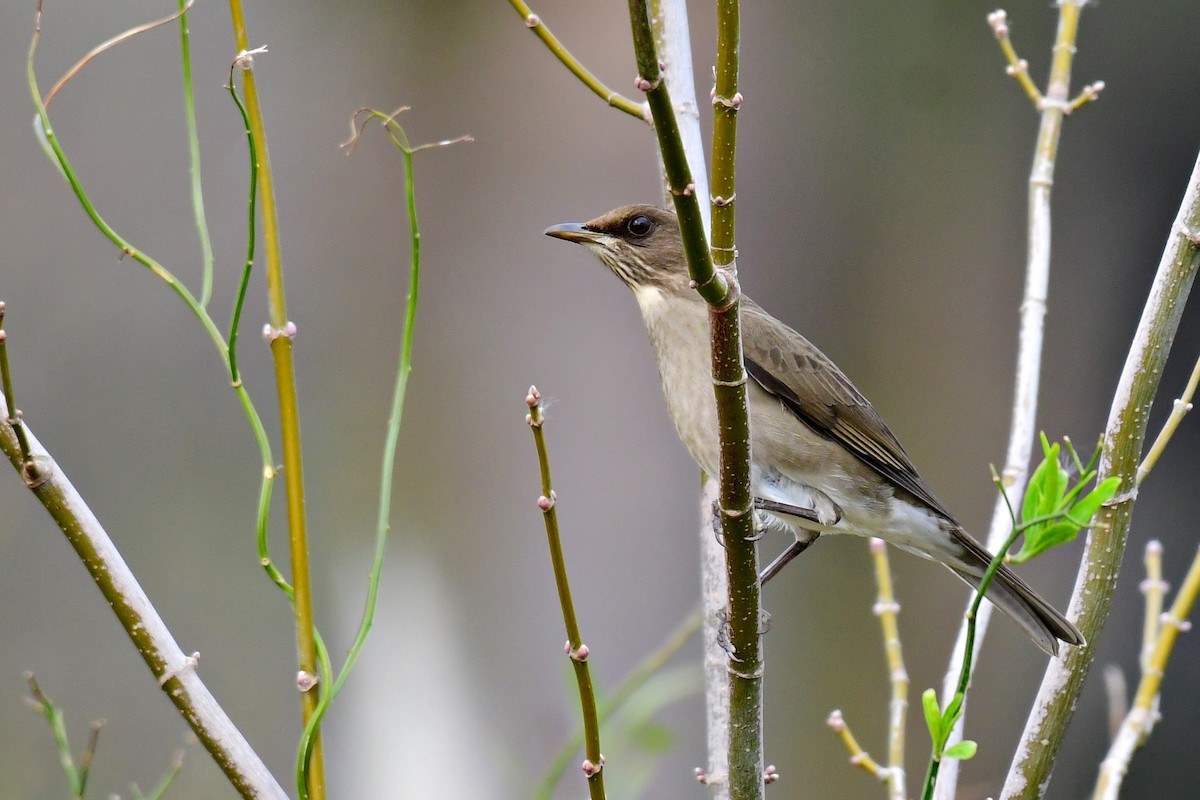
{"points": [[822, 458]]}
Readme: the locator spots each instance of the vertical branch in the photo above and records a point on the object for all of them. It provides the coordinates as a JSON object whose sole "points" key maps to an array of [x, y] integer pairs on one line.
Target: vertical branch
{"points": [[726, 101], [743, 776], [1124, 437], [713, 286], [1144, 714], [280, 335], [672, 38], [746, 762], [887, 608], [719, 289], [1053, 107], [593, 765]]}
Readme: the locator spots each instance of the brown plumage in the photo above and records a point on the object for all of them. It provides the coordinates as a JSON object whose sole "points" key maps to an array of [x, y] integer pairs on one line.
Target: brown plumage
{"points": [[823, 458]]}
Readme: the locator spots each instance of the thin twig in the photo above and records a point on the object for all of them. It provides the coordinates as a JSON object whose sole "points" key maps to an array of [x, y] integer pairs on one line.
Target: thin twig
{"points": [[577, 651], [189, 108], [1155, 589], [1124, 438], [176, 673], [29, 470], [858, 756], [391, 438], [76, 774], [1144, 713], [672, 39], [280, 335], [614, 99], [108, 45], [1033, 312], [1178, 410], [149, 634], [610, 705], [887, 609]]}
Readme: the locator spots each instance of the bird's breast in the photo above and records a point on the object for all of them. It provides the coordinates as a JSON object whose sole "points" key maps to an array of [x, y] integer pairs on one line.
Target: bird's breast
{"points": [[678, 330]]}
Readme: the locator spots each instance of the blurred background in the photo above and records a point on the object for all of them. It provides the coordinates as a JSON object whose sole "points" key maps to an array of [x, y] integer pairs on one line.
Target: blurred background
{"points": [[881, 210]]}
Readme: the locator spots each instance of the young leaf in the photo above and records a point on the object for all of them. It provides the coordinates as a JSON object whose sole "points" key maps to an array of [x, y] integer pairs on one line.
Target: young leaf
{"points": [[1054, 484], [1052, 536], [1033, 491], [1085, 509], [933, 718], [961, 750]]}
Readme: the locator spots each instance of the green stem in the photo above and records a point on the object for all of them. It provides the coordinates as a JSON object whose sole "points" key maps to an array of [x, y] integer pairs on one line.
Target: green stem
{"points": [[93, 546], [726, 101], [189, 106], [251, 235], [577, 651], [1123, 442], [746, 761], [720, 290], [712, 285], [539, 28], [610, 705], [28, 467], [387, 470], [289, 412]]}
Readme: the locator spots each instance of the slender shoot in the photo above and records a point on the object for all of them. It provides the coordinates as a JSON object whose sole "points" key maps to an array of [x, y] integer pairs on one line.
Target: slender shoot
{"points": [[577, 651], [614, 99]]}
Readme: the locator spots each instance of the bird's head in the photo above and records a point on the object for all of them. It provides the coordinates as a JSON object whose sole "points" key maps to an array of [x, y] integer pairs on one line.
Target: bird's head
{"points": [[640, 243]]}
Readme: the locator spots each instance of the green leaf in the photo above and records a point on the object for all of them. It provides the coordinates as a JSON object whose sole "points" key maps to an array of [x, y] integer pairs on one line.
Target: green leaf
{"points": [[1052, 536], [1085, 509], [961, 750], [933, 718], [1054, 485], [1033, 491], [1084, 479], [953, 712]]}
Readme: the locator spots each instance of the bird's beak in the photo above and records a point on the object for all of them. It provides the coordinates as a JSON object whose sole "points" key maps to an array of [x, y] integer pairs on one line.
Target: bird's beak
{"points": [[572, 232]]}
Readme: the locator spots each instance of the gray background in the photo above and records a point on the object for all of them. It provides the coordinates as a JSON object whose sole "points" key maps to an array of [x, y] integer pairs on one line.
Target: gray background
{"points": [[881, 199]]}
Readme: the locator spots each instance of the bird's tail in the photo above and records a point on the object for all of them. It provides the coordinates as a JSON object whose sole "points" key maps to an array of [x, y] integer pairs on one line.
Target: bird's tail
{"points": [[1045, 625]]}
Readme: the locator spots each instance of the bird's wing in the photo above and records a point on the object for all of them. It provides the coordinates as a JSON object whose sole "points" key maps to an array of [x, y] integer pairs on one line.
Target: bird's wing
{"points": [[785, 364]]}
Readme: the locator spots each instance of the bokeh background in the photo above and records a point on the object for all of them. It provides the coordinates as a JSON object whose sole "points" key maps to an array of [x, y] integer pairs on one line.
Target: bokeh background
{"points": [[881, 200]]}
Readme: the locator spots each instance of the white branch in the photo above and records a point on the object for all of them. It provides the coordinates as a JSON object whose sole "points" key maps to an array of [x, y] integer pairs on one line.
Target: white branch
{"points": [[175, 671]]}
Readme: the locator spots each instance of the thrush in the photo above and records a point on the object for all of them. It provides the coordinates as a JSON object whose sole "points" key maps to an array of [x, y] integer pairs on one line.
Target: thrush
{"points": [[822, 459]]}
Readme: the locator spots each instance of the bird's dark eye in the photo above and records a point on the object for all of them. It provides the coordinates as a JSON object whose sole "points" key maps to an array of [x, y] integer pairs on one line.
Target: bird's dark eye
{"points": [[640, 226]]}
